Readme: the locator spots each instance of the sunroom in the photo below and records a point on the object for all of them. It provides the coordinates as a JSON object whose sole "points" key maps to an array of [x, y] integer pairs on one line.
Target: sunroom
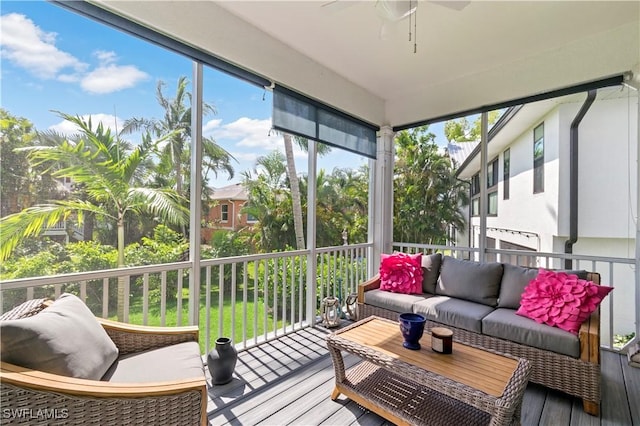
{"points": [[374, 69]]}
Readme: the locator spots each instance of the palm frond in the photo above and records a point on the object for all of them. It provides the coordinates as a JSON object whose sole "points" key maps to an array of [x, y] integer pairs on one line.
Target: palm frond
{"points": [[27, 223], [164, 203]]}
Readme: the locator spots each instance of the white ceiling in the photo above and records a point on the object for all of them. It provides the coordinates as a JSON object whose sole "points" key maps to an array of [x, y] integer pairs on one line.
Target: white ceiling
{"points": [[488, 52]]}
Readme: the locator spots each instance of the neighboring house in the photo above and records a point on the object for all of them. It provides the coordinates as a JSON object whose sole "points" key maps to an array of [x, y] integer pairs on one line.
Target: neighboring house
{"points": [[225, 211], [528, 184], [63, 231]]}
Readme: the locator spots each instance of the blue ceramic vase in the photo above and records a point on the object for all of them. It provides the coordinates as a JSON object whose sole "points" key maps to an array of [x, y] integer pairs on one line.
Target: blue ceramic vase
{"points": [[412, 328]]}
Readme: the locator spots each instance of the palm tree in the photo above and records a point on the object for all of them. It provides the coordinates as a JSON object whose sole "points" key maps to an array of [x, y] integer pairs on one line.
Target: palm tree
{"points": [[269, 201], [109, 174], [427, 194], [175, 129], [294, 184]]}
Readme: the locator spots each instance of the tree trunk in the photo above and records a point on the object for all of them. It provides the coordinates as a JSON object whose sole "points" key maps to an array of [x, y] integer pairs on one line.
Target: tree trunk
{"points": [[295, 193]]}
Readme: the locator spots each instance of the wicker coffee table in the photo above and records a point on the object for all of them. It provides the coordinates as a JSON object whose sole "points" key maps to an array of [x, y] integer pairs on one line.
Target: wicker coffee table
{"points": [[470, 386]]}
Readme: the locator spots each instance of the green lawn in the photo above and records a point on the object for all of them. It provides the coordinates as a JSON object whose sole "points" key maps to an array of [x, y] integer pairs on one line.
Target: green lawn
{"points": [[153, 318]]}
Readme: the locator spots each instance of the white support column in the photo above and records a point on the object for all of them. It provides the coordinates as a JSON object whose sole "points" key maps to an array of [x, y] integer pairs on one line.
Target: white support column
{"points": [[311, 232], [484, 138], [635, 83], [381, 198], [195, 195]]}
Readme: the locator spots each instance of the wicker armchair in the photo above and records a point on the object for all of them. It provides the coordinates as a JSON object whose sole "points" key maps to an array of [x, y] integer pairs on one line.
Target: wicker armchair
{"points": [[36, 397]]}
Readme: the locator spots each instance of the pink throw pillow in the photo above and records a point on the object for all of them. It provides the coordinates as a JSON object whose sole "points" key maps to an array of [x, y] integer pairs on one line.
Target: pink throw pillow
{"points": [[561, 300], [401, 273]]}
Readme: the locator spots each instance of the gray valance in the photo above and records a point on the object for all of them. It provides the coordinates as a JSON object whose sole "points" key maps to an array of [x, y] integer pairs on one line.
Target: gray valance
{"points": [[298, 115]]}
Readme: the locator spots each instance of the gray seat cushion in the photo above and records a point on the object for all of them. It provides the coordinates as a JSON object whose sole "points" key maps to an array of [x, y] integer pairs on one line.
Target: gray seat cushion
{"points": [[474, 281], [430, 272], [64, 339], [505, 324], [396, 302], [174, 362], [514, 280], [454, 312]]}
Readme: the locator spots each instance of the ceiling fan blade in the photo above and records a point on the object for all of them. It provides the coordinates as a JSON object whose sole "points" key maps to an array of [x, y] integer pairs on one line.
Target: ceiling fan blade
{"points": [[395, 10], [452, 4], [337, 5]]}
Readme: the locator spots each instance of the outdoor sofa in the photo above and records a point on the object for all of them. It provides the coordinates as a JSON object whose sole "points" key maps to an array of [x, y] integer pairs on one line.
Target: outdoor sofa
{"points": [[62, 365], [478, 301]]}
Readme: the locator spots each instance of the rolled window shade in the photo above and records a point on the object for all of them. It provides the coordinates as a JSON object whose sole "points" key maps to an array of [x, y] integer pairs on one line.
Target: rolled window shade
{"points": [[301, 116]]}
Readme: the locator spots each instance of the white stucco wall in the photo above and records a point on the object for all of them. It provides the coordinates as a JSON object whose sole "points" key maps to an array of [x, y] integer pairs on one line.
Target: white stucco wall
{"points": [[524, 210], [608, 179], [608, 143]]}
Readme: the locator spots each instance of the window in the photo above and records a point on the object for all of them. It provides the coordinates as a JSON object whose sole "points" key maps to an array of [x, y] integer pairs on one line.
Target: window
{"points": [[538, 159], [475, 185], [493, 203], [492, 173], [492, 187], [475, 207], [475, 195], [225, 212], [506, 160]]}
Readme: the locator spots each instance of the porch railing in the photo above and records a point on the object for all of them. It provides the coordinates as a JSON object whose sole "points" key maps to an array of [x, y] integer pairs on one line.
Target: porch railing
{"points": [[251, 299], [617, 311]]}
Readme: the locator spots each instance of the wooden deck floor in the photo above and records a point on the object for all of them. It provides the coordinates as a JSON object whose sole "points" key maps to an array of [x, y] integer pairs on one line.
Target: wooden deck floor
{"points": [[288, 382]]}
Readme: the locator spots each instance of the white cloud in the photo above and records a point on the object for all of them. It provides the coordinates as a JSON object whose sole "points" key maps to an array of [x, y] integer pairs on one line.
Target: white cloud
{"points": [[247, 132], [111, 78], [210, 125], [108, 121], [28, 47], [245, 156]]}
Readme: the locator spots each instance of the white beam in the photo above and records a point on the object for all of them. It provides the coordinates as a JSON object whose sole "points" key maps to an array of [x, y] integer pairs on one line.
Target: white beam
{"points": [[312, 152], [383, 192], [195, 195], [484, 140]]}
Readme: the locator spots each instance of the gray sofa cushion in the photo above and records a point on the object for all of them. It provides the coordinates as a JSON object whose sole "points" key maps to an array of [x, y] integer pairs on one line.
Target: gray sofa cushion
{"points": [[474, 281], [397, 302], [454, 312], [174, 362], [514, 280], [64, 339], [505, 324], [430, 272]]}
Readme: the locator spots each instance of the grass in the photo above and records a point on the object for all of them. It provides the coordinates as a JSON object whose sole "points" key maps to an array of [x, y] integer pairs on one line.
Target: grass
{"points": [[234, 329]]}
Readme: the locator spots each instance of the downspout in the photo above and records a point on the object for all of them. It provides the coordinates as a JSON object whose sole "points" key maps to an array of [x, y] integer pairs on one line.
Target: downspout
{"points": [[573, 177]]}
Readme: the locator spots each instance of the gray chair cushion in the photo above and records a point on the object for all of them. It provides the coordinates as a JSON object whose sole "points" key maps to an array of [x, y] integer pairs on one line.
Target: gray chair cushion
{"points": [[454, 312], [64, 339], [430, 272], [505, 324], [474, 281], [397, 302], [514, 280], [174, 362]]}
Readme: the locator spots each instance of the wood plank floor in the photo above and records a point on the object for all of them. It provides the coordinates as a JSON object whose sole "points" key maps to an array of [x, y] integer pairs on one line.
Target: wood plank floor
{"points": [[288, 382]]}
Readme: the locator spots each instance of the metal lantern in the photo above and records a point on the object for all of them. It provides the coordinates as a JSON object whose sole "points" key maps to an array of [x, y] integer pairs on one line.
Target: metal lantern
{"points": [[330, 312], [352, 306]]}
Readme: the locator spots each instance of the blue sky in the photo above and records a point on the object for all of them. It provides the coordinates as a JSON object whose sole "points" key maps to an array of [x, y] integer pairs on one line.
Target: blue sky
{"points": [[53, 59]]}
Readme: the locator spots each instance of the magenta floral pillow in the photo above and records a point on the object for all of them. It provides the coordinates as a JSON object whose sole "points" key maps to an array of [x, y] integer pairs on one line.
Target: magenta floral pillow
{"points": [[401, 273], [561, 300]]}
